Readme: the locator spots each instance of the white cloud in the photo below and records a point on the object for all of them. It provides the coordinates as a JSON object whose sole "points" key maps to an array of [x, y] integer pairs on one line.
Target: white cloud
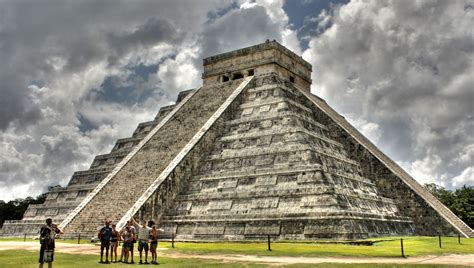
{"points": [[466, 177], [406, 67]]}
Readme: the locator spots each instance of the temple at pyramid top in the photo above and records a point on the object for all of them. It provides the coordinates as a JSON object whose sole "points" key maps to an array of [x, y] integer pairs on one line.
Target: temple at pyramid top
{"points": [[250, 153], [268, 57]]}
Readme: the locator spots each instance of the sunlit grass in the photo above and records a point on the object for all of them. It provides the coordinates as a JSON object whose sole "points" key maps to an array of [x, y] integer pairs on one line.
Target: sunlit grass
{"points": [[26, 259], [383, 247], [387, 247]]}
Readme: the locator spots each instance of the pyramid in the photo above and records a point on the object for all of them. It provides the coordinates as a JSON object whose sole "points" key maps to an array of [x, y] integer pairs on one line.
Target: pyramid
{"points": [[253, 153]]}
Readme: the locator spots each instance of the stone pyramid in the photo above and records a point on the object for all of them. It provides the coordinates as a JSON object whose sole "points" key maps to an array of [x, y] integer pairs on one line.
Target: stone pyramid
{"points": [[253, 153]]}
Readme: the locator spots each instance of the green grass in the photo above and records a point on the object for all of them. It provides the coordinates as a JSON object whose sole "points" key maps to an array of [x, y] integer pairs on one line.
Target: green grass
{"points": [[387, 247], [413, 246], [24, 259]]}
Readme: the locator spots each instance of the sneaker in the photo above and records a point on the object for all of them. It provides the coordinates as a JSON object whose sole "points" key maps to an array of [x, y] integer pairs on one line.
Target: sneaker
{"points": [[140, 262], [146, 262]]}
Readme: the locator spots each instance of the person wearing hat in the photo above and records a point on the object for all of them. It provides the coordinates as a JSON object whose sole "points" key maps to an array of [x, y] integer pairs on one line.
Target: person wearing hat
{"points": [[104, 235]]}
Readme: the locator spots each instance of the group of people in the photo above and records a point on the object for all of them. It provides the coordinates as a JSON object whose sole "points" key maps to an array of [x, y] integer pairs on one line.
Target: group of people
{"points": [[146, 236]]}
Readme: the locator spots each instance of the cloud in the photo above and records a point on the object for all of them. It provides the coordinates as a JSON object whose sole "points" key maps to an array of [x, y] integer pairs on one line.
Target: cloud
{"points": [[405, 66], [81, 74]]}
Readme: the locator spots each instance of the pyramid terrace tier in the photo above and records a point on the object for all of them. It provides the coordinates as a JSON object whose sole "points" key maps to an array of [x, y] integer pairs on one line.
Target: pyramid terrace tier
{"points": [[91, 176], [123, 143], [20, 228], [289, 228]]}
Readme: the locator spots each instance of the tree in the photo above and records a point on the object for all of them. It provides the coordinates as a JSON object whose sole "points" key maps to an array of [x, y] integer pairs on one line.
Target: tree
{"points": [[14, 209], [460, 202]]}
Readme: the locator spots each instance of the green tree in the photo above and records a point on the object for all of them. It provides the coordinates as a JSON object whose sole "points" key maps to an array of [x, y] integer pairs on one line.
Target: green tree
{"points": [[460, 201], [14, 209]]}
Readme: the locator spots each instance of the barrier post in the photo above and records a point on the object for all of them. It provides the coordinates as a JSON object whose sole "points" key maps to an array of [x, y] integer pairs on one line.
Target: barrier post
{"points": [[459, 239], [172, 240], [269, 246], [24, 238], [401, 244], [439, 238], [79, 239]]}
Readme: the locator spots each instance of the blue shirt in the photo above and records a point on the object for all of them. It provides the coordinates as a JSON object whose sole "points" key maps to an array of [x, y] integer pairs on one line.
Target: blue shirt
{"points": [[105, 233]]}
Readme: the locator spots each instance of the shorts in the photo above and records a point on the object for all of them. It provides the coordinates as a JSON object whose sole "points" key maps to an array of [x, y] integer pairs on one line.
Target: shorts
{"points": [[41, 258], [104, 244], [153, 245], [142, 245], [128, 245]]}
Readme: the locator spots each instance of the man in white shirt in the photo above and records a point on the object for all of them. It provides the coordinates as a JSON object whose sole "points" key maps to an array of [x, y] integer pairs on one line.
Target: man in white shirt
{"points": [[143, 239]]}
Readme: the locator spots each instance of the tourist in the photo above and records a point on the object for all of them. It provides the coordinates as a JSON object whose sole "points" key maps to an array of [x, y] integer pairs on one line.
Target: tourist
{"points": [[105, 235], [47, 234], [134, 240], [154, 243], [143, 237], [127, 236], [114, 243]]}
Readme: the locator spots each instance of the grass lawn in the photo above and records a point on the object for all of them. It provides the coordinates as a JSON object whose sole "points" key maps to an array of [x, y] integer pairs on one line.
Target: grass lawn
{"points": [[23, 259], [413, 246]]}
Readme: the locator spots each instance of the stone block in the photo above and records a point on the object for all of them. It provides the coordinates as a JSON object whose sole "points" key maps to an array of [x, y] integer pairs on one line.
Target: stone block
{"points": [[262, 228]]}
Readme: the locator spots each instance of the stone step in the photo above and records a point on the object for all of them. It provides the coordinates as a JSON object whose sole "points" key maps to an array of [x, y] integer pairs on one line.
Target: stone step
{"points": [[276, 170], [274, 194], [278, 131], [286, 117], [289, 216], [288, 147]]}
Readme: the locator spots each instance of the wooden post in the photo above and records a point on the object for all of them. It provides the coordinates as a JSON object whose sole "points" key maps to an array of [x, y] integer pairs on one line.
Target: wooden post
{"points": [[439, 238], [401, 244], [24, 238], [459, 239], [269, 246], [79, 239], [172, 240]]}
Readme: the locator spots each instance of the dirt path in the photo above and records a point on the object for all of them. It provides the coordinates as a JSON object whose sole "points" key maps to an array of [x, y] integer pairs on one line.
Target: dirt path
{"points": [[466, 260]]}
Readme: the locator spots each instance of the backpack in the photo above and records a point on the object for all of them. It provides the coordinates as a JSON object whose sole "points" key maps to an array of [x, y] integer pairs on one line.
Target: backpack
{"points": [[46, 235]]}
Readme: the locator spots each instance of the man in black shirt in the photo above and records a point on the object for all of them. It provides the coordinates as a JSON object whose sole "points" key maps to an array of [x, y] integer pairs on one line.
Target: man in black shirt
{"points": [[47, 235], [105, 234]]}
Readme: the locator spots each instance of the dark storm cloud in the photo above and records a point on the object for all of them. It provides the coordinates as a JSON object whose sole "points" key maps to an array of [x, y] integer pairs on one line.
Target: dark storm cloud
{"points": [[406, 67], [154, 31], [38, 37], [77, 75], [237, 29]]}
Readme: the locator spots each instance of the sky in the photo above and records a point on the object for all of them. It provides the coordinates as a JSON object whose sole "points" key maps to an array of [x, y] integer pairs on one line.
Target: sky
{"points": [[77, 75]]}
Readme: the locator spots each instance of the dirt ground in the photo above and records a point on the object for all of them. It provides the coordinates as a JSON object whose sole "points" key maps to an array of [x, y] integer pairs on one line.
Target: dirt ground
{"points": [[466, 260]]}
